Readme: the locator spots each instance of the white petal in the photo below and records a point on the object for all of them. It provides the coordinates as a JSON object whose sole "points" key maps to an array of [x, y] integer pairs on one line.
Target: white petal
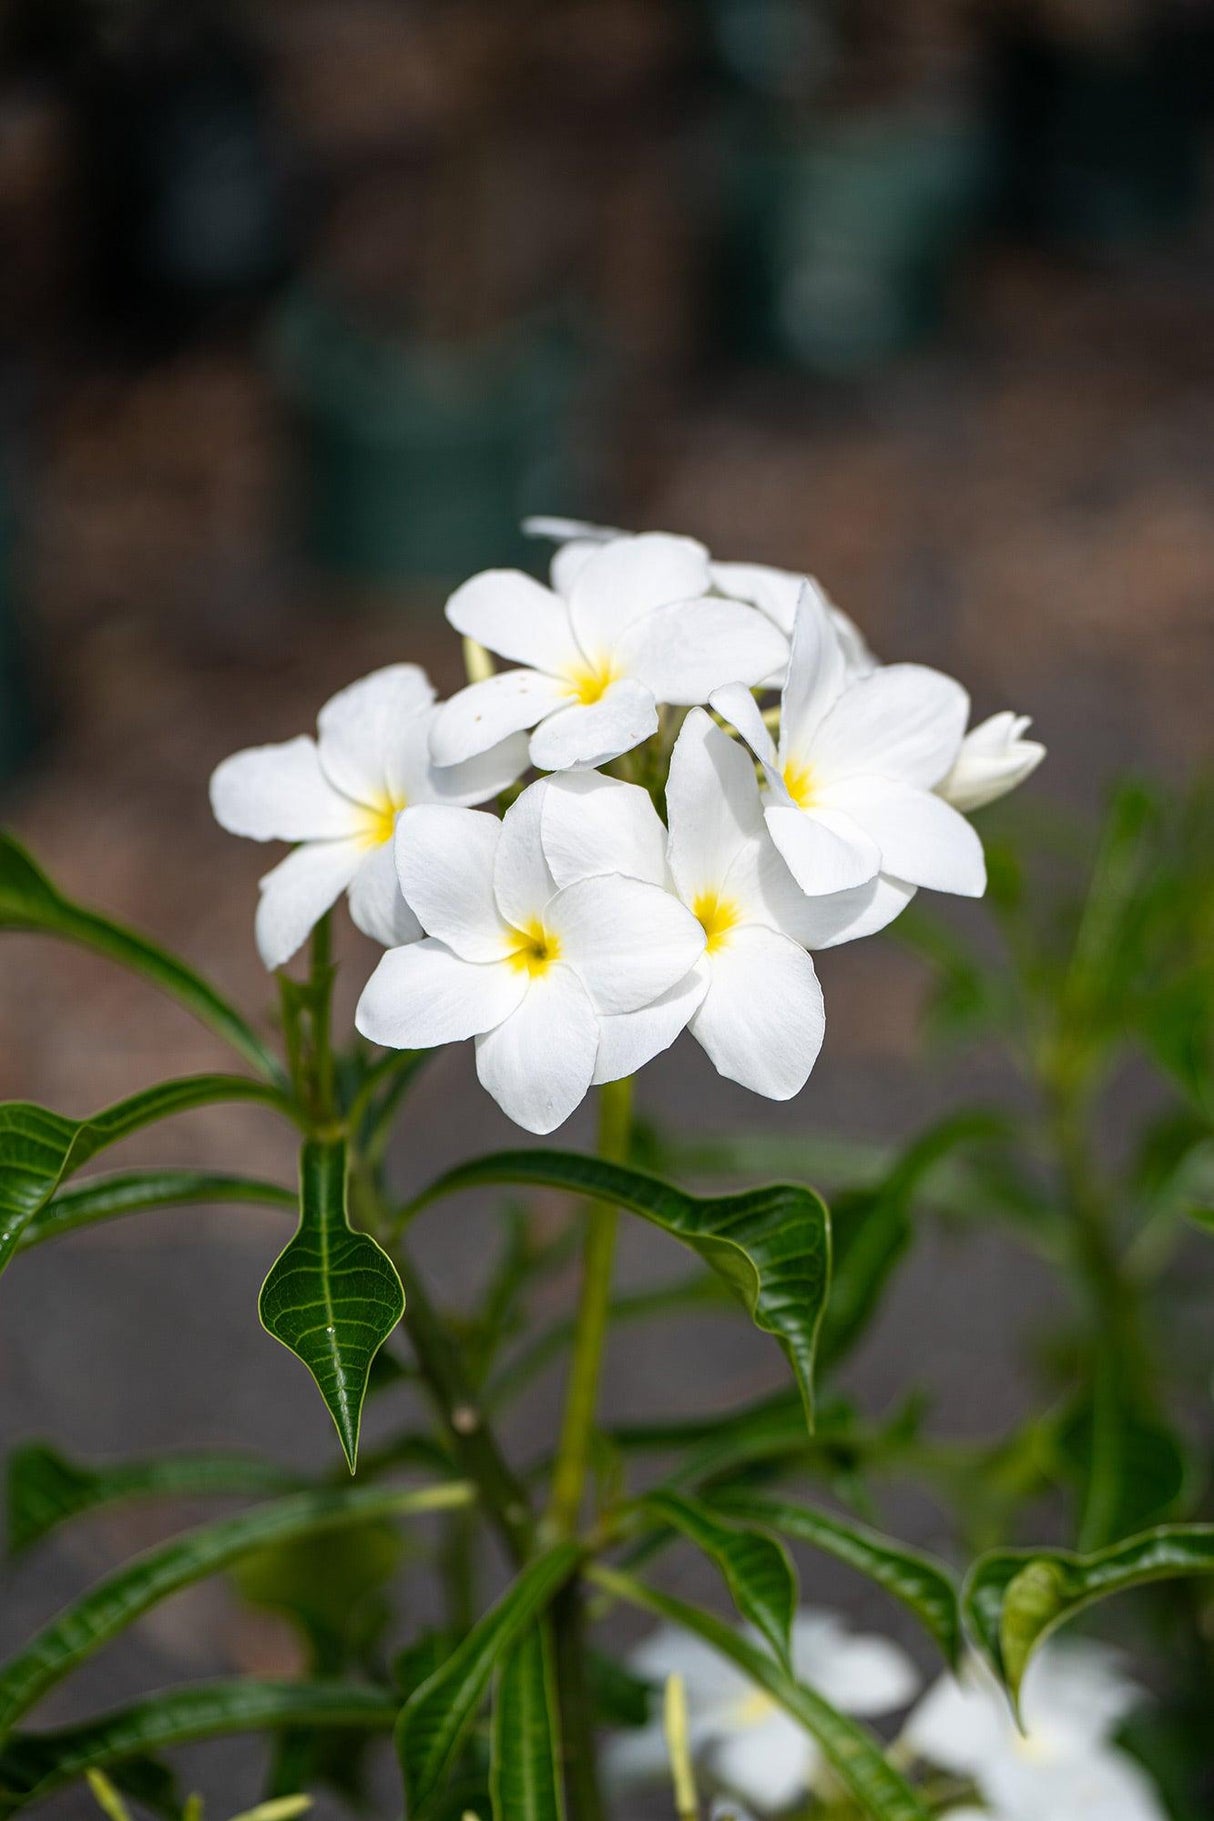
{"points": [[762, 1019], [481, 715], [547, 524], [298, 892], [771, 1767], [444, 860], [360, 729], [684, 651], [628, 577], [712, 798], [594, 732], [522, 882], [376, 904], [960, 1725], [736, 705], [422, 995], [920, 838], [629, 1040], [904, 721], [994, 759], [774, 592], [861, 1675], [517, 617], [280, 793], [1108, 1786], [628, 941], [569, 561], [816, 674], [638, 1756], [846, 916], [539, 1063], [761, 886], [825, 851], [476, 780], [592, 824]]}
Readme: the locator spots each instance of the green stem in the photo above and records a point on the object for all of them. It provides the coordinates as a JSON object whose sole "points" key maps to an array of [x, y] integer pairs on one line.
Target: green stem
{"points": [[590, 1333], [321, 994]]}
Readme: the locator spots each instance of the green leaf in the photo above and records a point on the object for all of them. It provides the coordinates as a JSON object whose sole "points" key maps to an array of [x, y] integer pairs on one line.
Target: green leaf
{"points": [[32, 1765], [28, 901], [853, 1753], [331, 1588], [1014, 1598], [1131, 1466], [333, 1296], [436, 1718], [134, 1191], [40, 1149], [44, 1489], [771, 1246], [761, 1580], [114, 1603], [919, 1582], [525, 1772]]}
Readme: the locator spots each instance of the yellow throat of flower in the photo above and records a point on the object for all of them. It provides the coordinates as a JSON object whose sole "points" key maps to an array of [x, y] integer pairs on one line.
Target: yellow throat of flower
{"points": [[590, 681], [535, 949], [379, 820], [799, 783], [717, 917]]}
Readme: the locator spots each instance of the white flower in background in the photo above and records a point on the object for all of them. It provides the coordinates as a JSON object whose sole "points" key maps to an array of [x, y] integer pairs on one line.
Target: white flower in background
{"points": [[752, 1001], [339, 797], [637, 627], [995, 757], [851, 784], [742, 1741], [527, 969], [1063, 1766]]}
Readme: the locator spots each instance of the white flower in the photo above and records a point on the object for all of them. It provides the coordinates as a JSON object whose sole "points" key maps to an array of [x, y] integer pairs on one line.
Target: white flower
{"points": [[527, 969], [994, 758], [637, 626], [1063, 1766], [339, 797], [752, 1001], [746, 1744], [851, 785]]}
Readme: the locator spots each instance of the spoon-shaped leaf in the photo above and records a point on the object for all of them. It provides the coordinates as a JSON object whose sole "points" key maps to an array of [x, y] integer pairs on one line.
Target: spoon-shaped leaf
{"points": [[525, 1766], [114, 1603], [40, 1149], [29, 901], [771, 1245], [333, 1296], [32, 1765], [1014, 1598], [755, 1567]]}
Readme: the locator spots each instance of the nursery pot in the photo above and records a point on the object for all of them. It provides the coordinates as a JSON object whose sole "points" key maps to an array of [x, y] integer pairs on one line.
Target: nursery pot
{"points": [[415, 460], [845, 234]]}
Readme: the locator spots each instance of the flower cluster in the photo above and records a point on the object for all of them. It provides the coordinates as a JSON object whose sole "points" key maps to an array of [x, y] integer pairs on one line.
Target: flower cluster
{"points": [[576, 934]]}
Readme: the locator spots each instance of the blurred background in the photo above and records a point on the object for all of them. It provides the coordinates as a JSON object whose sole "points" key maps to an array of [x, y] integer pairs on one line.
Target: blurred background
{"points": [[304, 303]]}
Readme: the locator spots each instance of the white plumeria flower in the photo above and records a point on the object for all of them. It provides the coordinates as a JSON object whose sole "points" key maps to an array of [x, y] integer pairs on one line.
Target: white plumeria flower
{"points": [[339, 797], [743, 1742], [995, 757], [637, 627], [1063, 1765], [527, 969], [752, 1001], [851, 784]]}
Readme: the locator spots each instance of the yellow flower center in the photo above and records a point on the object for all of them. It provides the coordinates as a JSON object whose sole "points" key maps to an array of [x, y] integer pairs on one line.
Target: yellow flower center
{"points": [[590, 681], [799, 782], [716, 917], [379, 820], [537, 948], [753, 1709]]}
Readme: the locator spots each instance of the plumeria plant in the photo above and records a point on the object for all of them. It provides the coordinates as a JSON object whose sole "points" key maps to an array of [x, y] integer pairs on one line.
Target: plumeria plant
{"points": [[690, 776]]}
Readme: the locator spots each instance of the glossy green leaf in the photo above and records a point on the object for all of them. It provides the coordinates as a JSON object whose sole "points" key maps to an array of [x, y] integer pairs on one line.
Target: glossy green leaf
{"points": [[29, 901], [436, 1718], [525, 1768], [771, 1246], [1130, 1466], [119, 1599], [1014, 1598], [44, 1489], [853, 1753], [33, 1765], [136, 1191], [755, 1567], [40, 1149], [920, 1583], [333, 1296]]}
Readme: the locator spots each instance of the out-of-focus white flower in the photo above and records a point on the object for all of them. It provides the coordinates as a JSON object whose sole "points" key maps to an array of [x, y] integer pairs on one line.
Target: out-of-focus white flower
{"points": [[527, 969], [636, 627], [338, 797], [1063, 1766], [995, 757], [851, 786], [743, 1742], [752, 1001]]}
